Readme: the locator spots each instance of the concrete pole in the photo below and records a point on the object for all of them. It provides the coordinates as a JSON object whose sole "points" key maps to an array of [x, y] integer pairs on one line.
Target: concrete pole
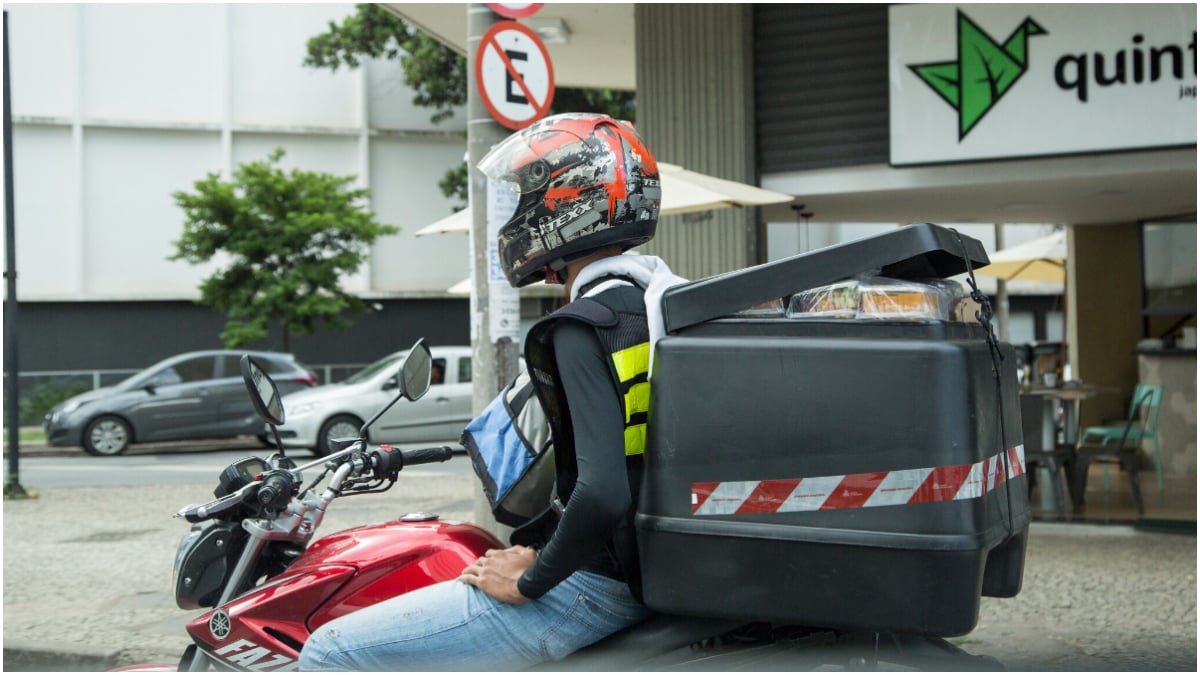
{"points": [[1001, 293], [494, 361]]}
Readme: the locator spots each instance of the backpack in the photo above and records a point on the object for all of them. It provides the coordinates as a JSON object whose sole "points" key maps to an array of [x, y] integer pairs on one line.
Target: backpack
{"points": [[513, 455]]}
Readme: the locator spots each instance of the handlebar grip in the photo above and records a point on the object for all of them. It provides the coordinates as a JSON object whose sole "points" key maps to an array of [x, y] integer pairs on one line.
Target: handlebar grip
{"points": [[440, 453], [276, 487]]}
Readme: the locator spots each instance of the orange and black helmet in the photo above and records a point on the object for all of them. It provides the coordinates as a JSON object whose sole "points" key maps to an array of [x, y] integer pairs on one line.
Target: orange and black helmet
{"points": [[570, 184]]}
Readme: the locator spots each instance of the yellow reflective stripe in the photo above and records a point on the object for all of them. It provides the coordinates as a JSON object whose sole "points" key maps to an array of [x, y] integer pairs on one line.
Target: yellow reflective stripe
{"points": [[635, 440], [632, 361], [637, 400]]}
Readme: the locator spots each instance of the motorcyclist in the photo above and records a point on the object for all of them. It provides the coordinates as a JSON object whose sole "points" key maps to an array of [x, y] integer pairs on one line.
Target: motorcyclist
{"points": [[587, 190]]}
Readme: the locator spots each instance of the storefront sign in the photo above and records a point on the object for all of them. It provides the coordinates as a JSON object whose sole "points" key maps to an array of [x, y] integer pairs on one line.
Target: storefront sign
{"points": [[992, 81]]}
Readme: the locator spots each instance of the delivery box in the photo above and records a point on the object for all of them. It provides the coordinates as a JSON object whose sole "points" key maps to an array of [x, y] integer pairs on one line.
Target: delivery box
{"points": [[834, 465]]}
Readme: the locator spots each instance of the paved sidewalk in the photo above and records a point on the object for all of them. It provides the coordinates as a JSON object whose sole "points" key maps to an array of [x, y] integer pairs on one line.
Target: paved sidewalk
{"points": [[87, 583]]}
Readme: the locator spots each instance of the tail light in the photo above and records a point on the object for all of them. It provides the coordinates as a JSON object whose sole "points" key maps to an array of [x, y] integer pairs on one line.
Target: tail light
{"points": [[309, 378]]}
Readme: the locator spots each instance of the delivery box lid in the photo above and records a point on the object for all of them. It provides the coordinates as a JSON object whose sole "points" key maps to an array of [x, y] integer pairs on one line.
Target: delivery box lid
{"points": [[919, 251]]}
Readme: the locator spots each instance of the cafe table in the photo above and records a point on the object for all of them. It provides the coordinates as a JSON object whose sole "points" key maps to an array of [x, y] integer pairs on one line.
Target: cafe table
{"points": [[1040, 408]]}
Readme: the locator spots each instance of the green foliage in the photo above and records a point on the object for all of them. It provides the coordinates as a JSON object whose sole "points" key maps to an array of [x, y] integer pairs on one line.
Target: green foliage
{"points": [[436, 74], [33, 407], [454, 184], [289, 237]]}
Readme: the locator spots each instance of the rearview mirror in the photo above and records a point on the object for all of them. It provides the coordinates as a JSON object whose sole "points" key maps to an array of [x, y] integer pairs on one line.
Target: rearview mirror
{"points": [[416, 371], [263, 392]]}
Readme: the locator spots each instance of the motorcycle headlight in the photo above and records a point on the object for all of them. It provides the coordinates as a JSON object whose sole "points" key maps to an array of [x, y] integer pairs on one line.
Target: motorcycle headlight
{"points": [[185, 546], [204, 562]]}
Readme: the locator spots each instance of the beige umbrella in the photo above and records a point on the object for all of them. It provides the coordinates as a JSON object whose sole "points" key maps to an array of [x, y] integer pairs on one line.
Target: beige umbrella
{"points": [[1041, 259], [683, 191]]}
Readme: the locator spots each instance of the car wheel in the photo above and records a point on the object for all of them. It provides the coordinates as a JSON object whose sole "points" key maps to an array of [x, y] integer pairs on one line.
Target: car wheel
{"points": [[266, 440], [338, 426], [106, 436]]}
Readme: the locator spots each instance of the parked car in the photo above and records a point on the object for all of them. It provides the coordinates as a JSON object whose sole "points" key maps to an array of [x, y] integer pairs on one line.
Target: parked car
{"points": [[187, 396], [338, 410]]}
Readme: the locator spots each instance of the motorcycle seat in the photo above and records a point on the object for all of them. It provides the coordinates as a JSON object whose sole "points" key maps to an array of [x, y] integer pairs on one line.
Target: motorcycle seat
{"points": [[629, 647]]}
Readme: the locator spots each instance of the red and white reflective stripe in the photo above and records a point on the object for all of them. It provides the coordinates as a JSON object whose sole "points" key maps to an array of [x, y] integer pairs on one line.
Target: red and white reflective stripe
{"points": [[859, 490]]}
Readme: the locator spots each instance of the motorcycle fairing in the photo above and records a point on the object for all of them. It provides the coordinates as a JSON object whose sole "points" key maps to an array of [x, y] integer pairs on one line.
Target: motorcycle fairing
{"points": [[395, 558], [337, 575], [267, 625]]}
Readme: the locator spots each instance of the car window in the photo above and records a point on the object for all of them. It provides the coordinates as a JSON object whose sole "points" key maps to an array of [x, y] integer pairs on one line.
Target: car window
{"points": [[164, 377], [438, 376], [464, 370], [274, 365], [195, 370], [370, 371]]}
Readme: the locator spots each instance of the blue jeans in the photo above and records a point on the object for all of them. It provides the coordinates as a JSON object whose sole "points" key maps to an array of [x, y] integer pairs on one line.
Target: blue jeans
{"points": [[455, 626]]}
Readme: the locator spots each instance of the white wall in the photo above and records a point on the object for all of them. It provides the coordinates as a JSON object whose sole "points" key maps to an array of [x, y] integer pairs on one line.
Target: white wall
{"points": [[116, 106], [49, 241], [150, 62]]}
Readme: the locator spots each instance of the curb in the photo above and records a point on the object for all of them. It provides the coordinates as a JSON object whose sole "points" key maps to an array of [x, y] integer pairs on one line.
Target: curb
{"points": [[44, 658]]}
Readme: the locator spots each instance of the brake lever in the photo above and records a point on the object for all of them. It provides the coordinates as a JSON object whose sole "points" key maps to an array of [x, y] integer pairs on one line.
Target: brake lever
{"points": [[195, 513]]}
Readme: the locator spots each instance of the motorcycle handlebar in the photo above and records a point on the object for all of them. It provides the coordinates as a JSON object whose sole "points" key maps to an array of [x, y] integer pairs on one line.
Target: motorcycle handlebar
{"points": [[440, 453], [276, 488], [388, 461]]}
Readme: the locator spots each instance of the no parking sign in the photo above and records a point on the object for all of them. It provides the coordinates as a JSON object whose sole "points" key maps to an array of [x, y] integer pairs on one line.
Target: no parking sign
{"points": [[514, 74]]}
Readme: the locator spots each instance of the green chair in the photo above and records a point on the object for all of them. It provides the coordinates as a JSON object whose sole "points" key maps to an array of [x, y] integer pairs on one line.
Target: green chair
{"points": [[1144, 408]]}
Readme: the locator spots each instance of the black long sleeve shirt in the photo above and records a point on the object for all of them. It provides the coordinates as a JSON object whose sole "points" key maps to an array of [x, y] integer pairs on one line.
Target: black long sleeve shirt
{"points": [[601, 497]]}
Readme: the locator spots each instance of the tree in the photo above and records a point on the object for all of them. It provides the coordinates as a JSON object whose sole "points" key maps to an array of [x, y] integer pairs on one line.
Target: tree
{"points": [[436, 74], [289, 237]]}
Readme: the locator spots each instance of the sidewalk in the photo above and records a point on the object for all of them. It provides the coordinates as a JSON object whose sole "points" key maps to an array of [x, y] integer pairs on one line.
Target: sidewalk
{"points": [[87, 583]]}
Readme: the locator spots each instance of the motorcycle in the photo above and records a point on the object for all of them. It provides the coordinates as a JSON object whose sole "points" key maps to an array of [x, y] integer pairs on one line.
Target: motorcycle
{"points": [[247, 561]]}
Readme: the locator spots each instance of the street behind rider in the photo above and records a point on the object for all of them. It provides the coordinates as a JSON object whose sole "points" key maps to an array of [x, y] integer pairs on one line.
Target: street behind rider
{"points": [[588, 190]]}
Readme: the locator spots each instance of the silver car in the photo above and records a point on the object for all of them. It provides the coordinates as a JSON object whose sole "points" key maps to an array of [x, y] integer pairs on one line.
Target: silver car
{"points": [[187, 396], [314, 416]]}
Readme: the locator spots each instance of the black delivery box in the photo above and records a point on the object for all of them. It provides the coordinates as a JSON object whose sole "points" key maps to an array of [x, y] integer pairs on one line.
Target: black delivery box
{"points": [[850, 474]]}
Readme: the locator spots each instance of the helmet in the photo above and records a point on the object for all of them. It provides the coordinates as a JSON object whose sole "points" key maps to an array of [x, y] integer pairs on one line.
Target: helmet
{"points": [[581, 182]]}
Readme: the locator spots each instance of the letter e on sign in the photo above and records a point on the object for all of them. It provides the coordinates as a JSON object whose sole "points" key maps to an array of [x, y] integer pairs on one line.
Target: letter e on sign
{"points": [[514, 74], [515, 10]]}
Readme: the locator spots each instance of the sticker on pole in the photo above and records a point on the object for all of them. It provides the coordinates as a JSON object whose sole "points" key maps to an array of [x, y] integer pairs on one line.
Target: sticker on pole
{"points": [[514, 74], [515, 10]]}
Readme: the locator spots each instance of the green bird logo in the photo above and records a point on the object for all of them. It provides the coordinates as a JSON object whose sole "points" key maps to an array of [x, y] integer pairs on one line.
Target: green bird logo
{"points": [[984, 72]]}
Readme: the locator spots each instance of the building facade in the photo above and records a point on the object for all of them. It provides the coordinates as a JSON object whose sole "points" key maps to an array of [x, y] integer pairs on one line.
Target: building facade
{"points": [[116, 107]]}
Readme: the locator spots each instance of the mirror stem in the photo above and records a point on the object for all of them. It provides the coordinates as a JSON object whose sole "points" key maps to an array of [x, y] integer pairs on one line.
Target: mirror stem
{"points": [[278, 442], [362, 433]]}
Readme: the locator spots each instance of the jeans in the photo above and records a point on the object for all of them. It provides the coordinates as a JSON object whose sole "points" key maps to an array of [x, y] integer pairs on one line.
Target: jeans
{"points": [[455, 626]]}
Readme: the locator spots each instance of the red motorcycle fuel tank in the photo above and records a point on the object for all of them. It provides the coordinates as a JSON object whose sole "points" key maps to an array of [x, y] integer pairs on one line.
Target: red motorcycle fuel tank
{"points": [[265, 628]]}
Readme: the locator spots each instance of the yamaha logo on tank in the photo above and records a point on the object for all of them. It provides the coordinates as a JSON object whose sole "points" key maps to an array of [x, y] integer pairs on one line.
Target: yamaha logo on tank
{"points": [[219, 624]]}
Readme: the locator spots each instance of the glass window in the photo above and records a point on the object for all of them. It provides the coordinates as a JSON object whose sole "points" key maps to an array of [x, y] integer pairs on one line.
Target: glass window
{"points": [[1168, 277], [464, 369], [194, 370], [438, 376]]}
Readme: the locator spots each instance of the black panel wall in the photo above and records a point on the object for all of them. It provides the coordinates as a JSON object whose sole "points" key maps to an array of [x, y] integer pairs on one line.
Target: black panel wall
{"points": [[821, 85], [120, 335]]}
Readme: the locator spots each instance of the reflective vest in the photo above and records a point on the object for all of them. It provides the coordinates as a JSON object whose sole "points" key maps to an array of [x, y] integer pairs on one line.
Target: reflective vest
{"points": [[626, 337]]}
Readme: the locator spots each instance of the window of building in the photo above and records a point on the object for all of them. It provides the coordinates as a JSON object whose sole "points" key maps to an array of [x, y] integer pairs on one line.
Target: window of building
{"points": [[1168, 279]]}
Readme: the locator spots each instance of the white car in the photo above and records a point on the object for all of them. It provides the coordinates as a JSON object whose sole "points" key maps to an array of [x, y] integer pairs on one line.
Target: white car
{"points": [[314, 416]]}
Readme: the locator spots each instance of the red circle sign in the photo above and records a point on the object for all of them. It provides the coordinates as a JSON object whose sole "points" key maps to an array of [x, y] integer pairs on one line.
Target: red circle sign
{"points": [[514, 75], [515, 10]]}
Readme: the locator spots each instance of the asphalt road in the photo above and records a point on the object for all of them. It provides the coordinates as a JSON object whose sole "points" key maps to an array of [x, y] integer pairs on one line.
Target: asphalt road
{"points": [[178, 467]]}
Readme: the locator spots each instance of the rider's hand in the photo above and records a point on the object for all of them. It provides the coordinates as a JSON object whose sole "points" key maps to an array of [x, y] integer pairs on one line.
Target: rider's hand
{"points": [[496, 573]]}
